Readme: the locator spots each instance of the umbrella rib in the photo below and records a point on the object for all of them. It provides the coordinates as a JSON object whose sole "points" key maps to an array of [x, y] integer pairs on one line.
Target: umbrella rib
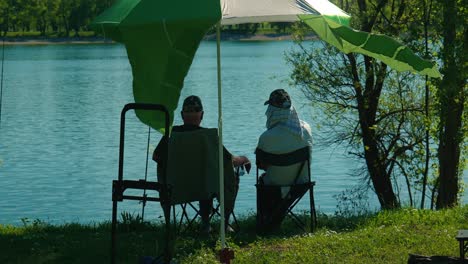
{"points": [[170, 85], [167, 33], [365, 42], [306, 8], [171, 44], [397, 51], [182, 53]]}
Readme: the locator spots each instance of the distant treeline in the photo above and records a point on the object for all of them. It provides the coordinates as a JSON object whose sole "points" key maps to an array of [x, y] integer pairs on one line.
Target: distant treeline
{"points": [[66, 18], [49, 16]]}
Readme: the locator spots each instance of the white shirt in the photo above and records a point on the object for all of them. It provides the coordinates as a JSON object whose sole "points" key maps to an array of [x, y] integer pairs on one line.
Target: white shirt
{"points": [[278, 140]]}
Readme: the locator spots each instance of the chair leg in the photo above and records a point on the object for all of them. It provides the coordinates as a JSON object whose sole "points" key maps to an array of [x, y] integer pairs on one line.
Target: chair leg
{"points": [[313, 213], [259, 218], [236, 225], [235, 222], [169, 235], [176, 227], [297, 220], [190, 221], [114, 234]]}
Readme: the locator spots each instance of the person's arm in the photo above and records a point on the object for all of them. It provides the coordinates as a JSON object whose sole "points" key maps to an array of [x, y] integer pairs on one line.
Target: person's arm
{"points": [[160, 149], [239, 160]]}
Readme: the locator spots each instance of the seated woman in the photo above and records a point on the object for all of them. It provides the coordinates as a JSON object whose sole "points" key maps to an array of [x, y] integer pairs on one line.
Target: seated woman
{"points": [[285, 133]]}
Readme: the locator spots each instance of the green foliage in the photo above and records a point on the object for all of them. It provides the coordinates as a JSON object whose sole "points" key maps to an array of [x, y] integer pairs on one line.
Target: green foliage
{"points": [[352, 203], [384, 237], [325, 78], [377, 114], [65, 18], [131, 222], [45, 16], [452, 94]]}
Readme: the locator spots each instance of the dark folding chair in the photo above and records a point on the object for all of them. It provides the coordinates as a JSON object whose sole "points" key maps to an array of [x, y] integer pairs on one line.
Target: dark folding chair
{"points": [[191, 172], [120, 185], [275, 202], [190, 212]]}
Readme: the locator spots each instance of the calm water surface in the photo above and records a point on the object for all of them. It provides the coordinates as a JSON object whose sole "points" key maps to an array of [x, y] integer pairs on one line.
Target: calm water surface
{"points": [[59, 129]]}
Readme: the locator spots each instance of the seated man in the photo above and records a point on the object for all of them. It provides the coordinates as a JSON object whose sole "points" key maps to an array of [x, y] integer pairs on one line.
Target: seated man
{"points": [[192, 115], [285, 133]]}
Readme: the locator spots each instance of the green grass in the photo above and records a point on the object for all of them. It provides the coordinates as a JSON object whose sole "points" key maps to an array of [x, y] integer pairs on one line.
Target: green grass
{"points": [[385, 237]]}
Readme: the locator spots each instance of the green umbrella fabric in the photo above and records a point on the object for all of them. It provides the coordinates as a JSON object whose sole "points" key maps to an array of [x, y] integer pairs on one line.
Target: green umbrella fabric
{"points": [[161, 38], [161, 41], [381, 47]]}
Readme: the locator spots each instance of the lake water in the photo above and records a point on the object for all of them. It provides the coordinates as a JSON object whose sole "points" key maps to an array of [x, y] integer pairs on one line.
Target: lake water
{"points": [[59, 129]]}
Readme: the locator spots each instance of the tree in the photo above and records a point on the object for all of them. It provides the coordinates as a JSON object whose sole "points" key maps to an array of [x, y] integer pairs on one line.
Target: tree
{"points": [[4, 16], [379, 114], [452, 94], [39, 11], [281, 26], [53, 14], [65, 9]]}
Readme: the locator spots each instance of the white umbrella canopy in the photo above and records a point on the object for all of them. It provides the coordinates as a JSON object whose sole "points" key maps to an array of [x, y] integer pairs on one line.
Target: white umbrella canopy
{"points": [[258, 11]]}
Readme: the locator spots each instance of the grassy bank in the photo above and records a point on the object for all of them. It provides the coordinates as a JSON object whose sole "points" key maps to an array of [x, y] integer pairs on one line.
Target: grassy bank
{"points": [[386, 237]]}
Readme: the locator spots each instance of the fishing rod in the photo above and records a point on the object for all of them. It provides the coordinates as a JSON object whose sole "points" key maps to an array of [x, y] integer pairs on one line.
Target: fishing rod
{"points": [[3, 60], [146, 176], [1, 78]]}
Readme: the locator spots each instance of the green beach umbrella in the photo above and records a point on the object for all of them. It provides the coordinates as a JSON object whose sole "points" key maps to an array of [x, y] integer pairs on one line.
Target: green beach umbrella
{"points": [[161, 38]]}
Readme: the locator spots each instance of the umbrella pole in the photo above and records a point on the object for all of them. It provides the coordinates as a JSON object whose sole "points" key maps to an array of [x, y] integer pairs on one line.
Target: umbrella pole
{"points": [[220, 131], [225, 255]]}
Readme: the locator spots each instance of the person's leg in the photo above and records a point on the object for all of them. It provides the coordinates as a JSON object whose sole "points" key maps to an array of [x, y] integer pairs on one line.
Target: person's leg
{"points": [[205, 211], [231, 187], [230, 194], [268, 198]]}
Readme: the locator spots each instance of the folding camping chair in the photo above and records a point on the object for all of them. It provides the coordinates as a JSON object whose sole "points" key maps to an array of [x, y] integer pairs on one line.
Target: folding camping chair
{"points": [[120, 185], [193, 175], [275, 202], [184, 181], [192, 171]]}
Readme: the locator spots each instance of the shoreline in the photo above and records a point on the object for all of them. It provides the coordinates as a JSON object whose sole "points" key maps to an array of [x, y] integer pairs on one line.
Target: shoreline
{"points": [[26, 41]]}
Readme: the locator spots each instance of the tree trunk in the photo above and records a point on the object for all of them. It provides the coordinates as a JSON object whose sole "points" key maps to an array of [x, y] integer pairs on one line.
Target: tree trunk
{"points": [[376, 167], [452, 98], [367, 102]]}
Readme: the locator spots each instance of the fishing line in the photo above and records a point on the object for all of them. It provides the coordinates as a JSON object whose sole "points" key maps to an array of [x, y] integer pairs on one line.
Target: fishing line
{"points": [[146, 175], [1, 78]]}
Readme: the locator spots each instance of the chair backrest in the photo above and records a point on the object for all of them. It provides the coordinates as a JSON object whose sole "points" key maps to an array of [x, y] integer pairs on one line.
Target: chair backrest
{"points": [[192, 166], [301, 155]]}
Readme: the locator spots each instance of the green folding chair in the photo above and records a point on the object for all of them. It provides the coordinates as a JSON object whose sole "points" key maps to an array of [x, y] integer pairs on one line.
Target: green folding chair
{"points": [[192, 175], [191, 172]]}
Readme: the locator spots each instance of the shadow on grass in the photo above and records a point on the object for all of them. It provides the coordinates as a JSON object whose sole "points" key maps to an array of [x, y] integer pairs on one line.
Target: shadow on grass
{"points": [[39, 242]]}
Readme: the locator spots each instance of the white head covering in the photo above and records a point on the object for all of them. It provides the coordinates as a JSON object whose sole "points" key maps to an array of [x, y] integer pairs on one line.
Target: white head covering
{"points": [[286, 118]]}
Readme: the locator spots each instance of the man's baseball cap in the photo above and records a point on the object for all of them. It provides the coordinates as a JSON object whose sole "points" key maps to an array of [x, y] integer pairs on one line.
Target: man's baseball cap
{"points": [[192, 104], [279, 98]]}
